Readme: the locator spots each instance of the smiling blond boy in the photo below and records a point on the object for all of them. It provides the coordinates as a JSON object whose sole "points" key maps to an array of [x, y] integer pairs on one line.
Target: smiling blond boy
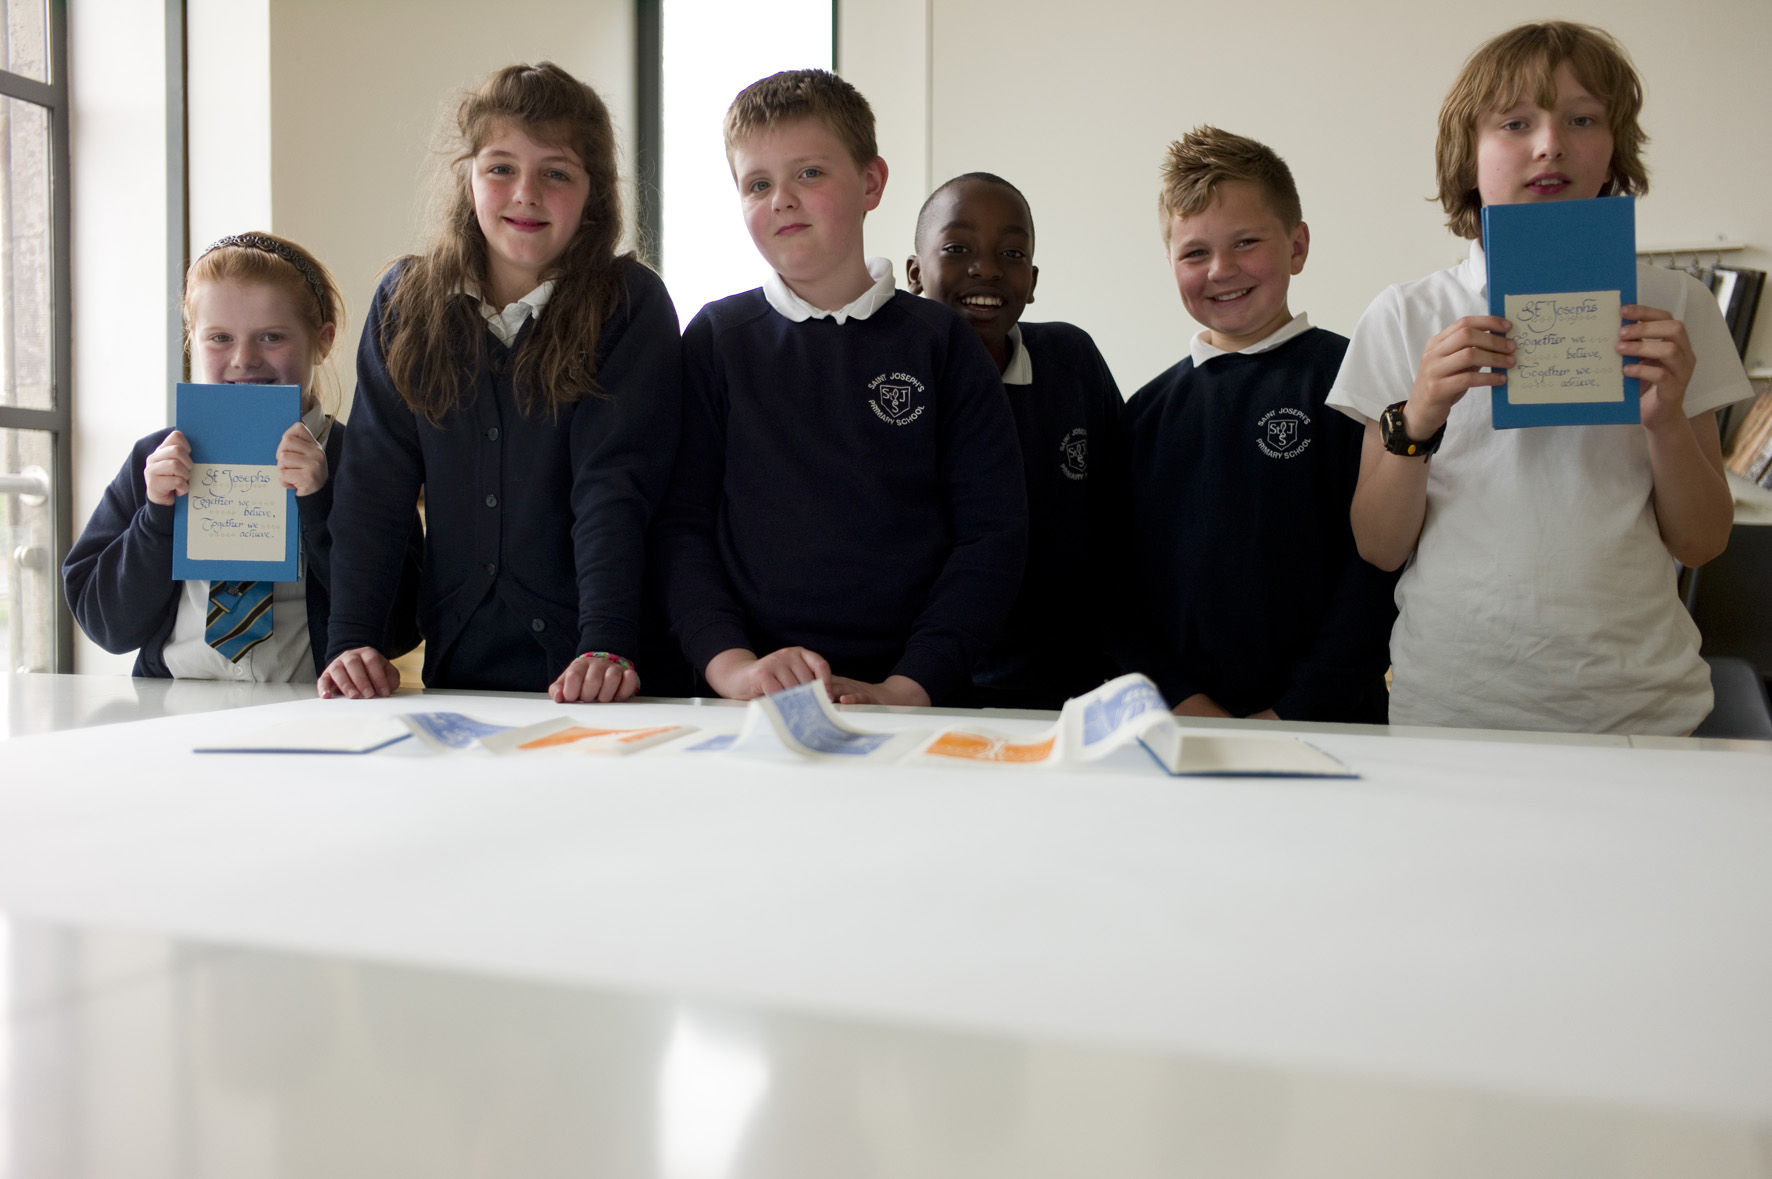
{"points": [[1255, 601], [847, 503]]}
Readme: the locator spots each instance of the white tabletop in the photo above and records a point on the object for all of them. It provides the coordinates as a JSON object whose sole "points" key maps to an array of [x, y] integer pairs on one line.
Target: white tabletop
{"points": [[1564, 924]]}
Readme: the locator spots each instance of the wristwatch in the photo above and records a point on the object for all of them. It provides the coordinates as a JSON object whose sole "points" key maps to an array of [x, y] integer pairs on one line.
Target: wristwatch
{"points": [[1396, 439]]}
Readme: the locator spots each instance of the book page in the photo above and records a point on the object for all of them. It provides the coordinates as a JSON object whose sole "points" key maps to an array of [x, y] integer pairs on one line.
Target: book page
{"points": [[1564, 348], [236, 513]]}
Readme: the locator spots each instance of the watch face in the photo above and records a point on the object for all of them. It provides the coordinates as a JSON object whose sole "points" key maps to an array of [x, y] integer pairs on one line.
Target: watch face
{"points": [[1395, 437]]}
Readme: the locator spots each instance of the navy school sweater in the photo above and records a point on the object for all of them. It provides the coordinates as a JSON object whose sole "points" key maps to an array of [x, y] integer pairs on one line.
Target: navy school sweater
{"points": [[118, 575], [852, 488], [1241, 482], [547, 512], [1051, 648]]}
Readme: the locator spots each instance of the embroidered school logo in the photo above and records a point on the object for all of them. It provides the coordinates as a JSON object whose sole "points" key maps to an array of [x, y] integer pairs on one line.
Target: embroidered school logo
{"points": [[897, 398], [1075, 451], [1283, 433]]}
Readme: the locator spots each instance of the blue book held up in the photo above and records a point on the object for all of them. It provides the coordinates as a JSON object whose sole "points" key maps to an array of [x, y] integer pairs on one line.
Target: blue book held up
{"points": [[239, 522], [1559, 271]]}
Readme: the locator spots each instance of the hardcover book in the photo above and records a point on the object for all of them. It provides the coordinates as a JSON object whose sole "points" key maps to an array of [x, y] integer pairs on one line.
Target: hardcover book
{"points": [[1559, 272], [239, 522]]}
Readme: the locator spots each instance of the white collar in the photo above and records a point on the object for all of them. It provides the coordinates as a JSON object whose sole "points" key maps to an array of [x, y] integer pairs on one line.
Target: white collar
{"points": [[1475, 271], [1021, 366], [318, 424], [505, 322], [782, 298], [1201, 351]]}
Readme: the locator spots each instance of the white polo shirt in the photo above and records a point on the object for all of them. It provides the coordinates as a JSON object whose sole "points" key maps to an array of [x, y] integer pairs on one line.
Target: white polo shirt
{"points": [[782, 297], [1200, 349], [1539, 595]]}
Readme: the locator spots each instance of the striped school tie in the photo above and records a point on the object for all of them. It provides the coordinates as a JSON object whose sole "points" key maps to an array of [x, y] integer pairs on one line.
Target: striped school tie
{"points": [[239, 616]]}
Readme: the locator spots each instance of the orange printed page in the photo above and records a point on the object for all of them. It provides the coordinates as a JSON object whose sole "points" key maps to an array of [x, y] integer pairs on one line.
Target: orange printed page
{"points": [[977, 747], [580, 733]]}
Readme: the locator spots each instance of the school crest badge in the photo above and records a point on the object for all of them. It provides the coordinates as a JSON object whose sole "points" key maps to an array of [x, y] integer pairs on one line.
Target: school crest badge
{"points": [[1074, 454], [898, 398], [1283, 433]]}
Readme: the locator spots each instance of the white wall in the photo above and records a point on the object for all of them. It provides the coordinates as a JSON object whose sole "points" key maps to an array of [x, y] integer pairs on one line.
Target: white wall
{"points": [[317, 115], [117, 120], [1075, 104], [228, 109], [355, 93]]}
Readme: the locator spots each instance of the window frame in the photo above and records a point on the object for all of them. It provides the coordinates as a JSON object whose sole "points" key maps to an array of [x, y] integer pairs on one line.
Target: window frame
{"points": [[649, 116], [57, 421]]}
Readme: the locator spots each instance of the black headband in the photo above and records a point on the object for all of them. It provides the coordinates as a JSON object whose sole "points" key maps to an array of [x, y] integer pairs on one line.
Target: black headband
{"points": [[270, 245]]}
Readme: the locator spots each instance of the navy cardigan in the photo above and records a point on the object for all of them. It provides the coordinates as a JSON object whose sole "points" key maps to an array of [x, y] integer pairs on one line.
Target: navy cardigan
{"points": [[546, 511], [118, 575]]}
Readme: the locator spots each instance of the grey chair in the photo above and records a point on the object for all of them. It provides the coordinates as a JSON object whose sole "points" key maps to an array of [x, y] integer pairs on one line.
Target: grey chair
{"points": [[1743, 709]]}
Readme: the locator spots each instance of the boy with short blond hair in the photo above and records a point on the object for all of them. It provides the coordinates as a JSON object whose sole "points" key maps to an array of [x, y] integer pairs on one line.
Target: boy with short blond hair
{"points": [[847, 503], [1257, 603]]}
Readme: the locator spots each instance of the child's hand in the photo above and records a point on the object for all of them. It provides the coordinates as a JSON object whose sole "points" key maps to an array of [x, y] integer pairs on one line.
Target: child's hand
{"points": [[361, 673], [1200, 704], [1264, 714], [898, 689], [1450, 365], [594, 679], [737, 674], [301, 463], [1664, 365], [168, 470]]}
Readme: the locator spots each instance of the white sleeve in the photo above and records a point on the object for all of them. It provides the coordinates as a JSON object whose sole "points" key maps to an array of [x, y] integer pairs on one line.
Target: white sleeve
{"points": [[1379, 369]]}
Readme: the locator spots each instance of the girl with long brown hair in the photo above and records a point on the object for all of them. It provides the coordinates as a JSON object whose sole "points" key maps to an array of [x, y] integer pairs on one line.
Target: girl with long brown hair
{"points": [[527, 377]]}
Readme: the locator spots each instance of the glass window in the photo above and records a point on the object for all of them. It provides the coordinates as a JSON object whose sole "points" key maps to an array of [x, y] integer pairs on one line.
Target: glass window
{"points": [[35, 499], [27, 39], [27, 310], [712, 50], [28, 566]]}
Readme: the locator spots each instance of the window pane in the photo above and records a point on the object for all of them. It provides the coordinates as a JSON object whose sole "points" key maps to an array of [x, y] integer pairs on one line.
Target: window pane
{"points": [[712, 50], [27, 38], [27, 565], [26, 311]]}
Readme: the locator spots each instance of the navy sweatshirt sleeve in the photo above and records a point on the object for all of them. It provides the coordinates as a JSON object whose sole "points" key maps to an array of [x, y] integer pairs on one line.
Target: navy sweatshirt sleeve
{"points": [[622, 447], [704, 612], [118, 575], [1136, 639], [1347, 657], [375, 498], [982, 472]]}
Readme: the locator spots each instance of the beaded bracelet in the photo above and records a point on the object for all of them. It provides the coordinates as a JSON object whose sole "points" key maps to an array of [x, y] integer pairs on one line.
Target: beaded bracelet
{"points": [[616, 659]]}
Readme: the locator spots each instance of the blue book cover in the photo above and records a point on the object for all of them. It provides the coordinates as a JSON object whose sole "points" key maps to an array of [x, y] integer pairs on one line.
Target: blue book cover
{"points": [[239, 522], [1559, 271]]}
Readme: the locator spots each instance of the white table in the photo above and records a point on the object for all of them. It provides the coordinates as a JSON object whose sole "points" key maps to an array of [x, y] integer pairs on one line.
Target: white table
{"points": [[1489, 955]]}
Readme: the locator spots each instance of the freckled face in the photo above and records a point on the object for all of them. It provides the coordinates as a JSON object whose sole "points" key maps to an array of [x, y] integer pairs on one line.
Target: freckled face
{"points": [[977, 256], [1233, 263], [803, 199], [1545, 153], [250, 334], [529, 199]]}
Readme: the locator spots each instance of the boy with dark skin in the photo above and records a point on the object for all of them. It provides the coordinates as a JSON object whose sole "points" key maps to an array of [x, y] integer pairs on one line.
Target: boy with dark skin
{"points": [[975, 252]]}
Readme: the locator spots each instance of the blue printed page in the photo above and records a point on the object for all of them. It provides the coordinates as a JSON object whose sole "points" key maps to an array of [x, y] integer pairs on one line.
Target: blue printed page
{"points": [[239, 522], [805, 720], [450, 730], [1559, 272]]}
